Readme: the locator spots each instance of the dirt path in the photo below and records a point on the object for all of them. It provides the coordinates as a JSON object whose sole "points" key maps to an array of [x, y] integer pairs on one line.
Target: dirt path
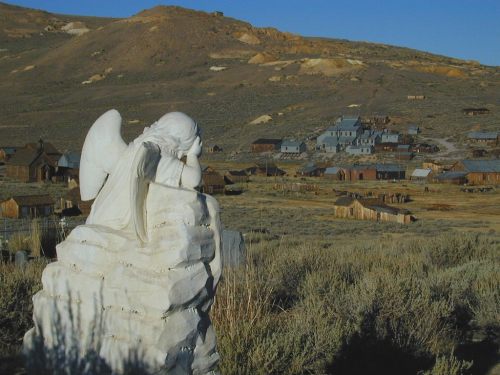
{"points": [[448, 149]]}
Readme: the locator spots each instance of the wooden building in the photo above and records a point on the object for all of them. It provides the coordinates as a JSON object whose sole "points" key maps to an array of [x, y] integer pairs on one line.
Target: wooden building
{"points": [[72, 204], [416, 97], [370, 209], [236, 177], [266, 145], [421, 175], [335, 173], [266, 169], [390, 172], [435, 166], [424, 148], [360, 173], [28, 165], [213, 149], [6, 152], [28, 206], [475, 111], [455, 178], [490, 138], [311, 170], [212, 181], [386, 147], [479, 172]]}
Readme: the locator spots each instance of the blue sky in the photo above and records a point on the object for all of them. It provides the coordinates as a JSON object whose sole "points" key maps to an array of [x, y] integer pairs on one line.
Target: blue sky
{"points": [[466, 29]]}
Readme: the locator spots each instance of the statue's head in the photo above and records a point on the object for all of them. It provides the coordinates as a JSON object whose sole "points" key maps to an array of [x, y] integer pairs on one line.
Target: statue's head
{"points": [[179, 128]]}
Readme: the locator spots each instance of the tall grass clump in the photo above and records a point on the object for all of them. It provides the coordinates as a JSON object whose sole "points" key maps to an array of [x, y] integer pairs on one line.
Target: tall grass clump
{"points": [[17, 287], [313, 307]]}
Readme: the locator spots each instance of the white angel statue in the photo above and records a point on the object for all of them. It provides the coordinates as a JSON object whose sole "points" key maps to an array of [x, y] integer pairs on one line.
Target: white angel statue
{"points": [[142, 272]]}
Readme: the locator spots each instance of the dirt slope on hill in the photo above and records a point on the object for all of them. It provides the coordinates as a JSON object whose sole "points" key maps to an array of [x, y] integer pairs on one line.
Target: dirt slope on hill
{"points": [[223, 72]]}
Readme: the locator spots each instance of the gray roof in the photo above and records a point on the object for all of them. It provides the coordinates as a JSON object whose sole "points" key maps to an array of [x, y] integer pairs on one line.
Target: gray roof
{"points": [[450, 175], [24, 156], [331, 141], [343, 140], [403, 147], [389, 168], [70, 159], [483, 135], [347, 124], [482, 165], [421, 172], [291, 143], [332, 170]]}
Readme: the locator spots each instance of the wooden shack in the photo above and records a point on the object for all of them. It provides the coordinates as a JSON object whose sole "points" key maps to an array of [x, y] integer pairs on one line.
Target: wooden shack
{"points": [[27, 206], [335, 173], [6, 152], [360, 173], [370, 209], [266, 145], [475, 111], [28, 165], [235, 177], [266, 169], [212, 181], [213, 149], [479, 172], [72, 204], [456, 178]]}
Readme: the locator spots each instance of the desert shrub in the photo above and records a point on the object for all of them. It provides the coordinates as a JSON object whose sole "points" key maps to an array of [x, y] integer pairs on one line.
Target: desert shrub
{"points": [[17, 288], [328, 305], [449, 365]]}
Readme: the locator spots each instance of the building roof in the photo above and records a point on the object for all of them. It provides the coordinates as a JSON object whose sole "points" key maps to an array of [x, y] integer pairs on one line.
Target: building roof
{"points": [[482, 166], [344, 201], [70, 159], [48, 147], [371, 203], [403, 147], [24, 156], [419, 172], [9, 150], [291, 143], [389, 167], [451, 175], [347, 124], [483, 135], [267, 141], [332, 170], [237, 173], [33, 200], [330, 141]]}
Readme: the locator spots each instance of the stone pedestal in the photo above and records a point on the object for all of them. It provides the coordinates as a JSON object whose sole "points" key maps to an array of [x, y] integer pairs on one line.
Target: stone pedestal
{"points": [[112, 299]]}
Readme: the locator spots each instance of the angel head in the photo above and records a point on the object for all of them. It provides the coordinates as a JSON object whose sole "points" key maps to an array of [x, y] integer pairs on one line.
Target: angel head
{"points": [[177, 130]]}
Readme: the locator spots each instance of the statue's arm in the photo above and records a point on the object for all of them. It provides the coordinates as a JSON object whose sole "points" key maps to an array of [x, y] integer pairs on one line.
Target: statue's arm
{"points": [[191, 174]]}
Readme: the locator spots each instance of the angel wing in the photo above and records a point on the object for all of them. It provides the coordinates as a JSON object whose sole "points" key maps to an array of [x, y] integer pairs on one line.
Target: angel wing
{"points": [[143, 172], [102, 149]]}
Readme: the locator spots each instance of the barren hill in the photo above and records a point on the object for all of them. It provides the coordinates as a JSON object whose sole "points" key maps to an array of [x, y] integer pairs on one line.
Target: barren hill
{"points": [[60, 72]]}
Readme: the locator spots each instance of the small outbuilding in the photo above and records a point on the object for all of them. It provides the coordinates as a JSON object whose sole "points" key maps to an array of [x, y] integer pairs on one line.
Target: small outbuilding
{"points": [[370, 209], [491, 138], [479, 172], [266, 145], [72, 204], [420, 174], [27, 206], [292, 147], [212, 181], [235, 177], [311, 170]]}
